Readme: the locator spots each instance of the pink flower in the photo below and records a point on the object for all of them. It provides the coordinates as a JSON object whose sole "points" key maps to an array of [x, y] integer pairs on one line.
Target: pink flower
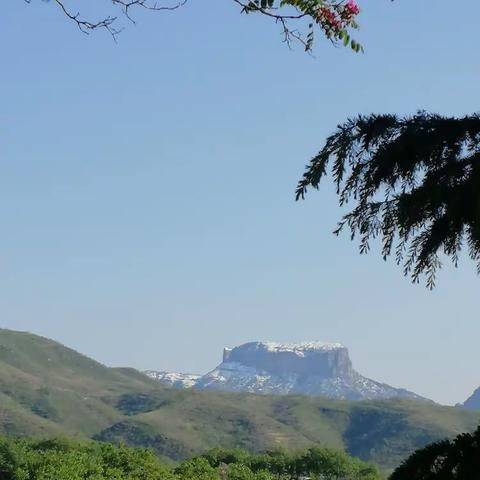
{"points": [[329, 17], [352, 7]]}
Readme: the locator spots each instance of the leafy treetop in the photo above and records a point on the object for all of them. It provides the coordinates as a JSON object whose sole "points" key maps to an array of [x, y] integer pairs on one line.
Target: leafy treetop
{"points": [[58, 459]]}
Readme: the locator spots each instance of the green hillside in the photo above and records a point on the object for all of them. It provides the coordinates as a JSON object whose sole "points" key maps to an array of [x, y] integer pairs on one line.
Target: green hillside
{"points": [[176, 423], [47, 389]]}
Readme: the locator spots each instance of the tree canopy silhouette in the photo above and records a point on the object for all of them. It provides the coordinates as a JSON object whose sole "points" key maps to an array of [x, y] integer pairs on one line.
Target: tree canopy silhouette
{"points": [[458, 459], [414, 182]]}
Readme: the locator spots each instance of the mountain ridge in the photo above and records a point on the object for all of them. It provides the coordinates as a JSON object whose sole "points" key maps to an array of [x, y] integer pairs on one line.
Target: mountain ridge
{"points": [[308, 368], [47, 389]]}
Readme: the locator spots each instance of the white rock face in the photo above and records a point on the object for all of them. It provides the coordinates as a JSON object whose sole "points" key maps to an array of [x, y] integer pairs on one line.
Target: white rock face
{"points": [[310, 368]]}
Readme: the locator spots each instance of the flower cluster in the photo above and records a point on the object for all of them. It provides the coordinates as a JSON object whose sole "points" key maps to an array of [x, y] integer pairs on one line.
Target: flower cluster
{"points": [[337, 18], [328, 17], [349, 10], [334, 18]]}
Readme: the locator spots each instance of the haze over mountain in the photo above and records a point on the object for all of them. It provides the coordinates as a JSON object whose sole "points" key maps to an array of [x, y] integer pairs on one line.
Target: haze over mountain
{"points": [[47, 389], [309, 368]]}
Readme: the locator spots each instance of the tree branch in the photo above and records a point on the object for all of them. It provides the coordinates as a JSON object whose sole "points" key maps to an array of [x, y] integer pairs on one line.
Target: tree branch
{"points": [[334, 18], [107, 23]]}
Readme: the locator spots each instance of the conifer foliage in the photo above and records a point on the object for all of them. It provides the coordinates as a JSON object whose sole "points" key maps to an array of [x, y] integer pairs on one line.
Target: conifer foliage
{"points": [[414, 183]]}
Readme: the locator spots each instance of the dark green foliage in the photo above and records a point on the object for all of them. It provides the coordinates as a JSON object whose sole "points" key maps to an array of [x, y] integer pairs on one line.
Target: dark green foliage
{"points": [[42, 405], [458, 459], [134, 435], [366, 426], [216, 456], [197, 468], [134, 403], [415, 183]]}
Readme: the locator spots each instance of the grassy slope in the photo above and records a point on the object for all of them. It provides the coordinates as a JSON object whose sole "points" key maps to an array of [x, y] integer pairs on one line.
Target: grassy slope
{"points": [[47, 389], [54, 383]]}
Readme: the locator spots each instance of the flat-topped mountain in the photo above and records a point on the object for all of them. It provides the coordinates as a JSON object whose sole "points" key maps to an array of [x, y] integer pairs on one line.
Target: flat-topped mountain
{"points": [[308, 368], [304, 359]]}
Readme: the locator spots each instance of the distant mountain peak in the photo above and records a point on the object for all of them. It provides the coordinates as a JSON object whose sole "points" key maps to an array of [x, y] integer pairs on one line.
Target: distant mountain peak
{"points": [[307, 368], [473, 402]]}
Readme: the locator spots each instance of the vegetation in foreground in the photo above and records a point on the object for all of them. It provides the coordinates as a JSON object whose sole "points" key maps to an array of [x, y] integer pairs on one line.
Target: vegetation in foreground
{"points": [[72, 460], [65, 459]]}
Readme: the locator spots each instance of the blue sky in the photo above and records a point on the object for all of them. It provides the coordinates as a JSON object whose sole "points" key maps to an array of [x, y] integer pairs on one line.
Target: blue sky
{"points": [[146, 189]]}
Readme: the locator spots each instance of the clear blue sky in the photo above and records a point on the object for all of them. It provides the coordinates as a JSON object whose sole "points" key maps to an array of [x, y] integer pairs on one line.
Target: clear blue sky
{"points": [[146, 189]]}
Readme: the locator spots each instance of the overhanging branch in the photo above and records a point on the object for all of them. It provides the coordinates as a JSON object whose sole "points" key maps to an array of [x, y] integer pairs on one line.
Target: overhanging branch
{"points": [[109, 22]]}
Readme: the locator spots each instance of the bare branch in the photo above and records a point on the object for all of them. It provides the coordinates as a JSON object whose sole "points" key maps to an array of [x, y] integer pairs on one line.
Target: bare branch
{"points": [[289, 35], [107, 23]]}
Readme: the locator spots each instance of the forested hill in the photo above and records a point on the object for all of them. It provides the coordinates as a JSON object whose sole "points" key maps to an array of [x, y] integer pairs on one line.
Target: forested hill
{"points": [[47, 389]]}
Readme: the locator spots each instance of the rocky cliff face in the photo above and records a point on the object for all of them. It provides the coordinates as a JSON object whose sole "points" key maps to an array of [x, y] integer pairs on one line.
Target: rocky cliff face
{"points": [[312, 368], [304, 359]]}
